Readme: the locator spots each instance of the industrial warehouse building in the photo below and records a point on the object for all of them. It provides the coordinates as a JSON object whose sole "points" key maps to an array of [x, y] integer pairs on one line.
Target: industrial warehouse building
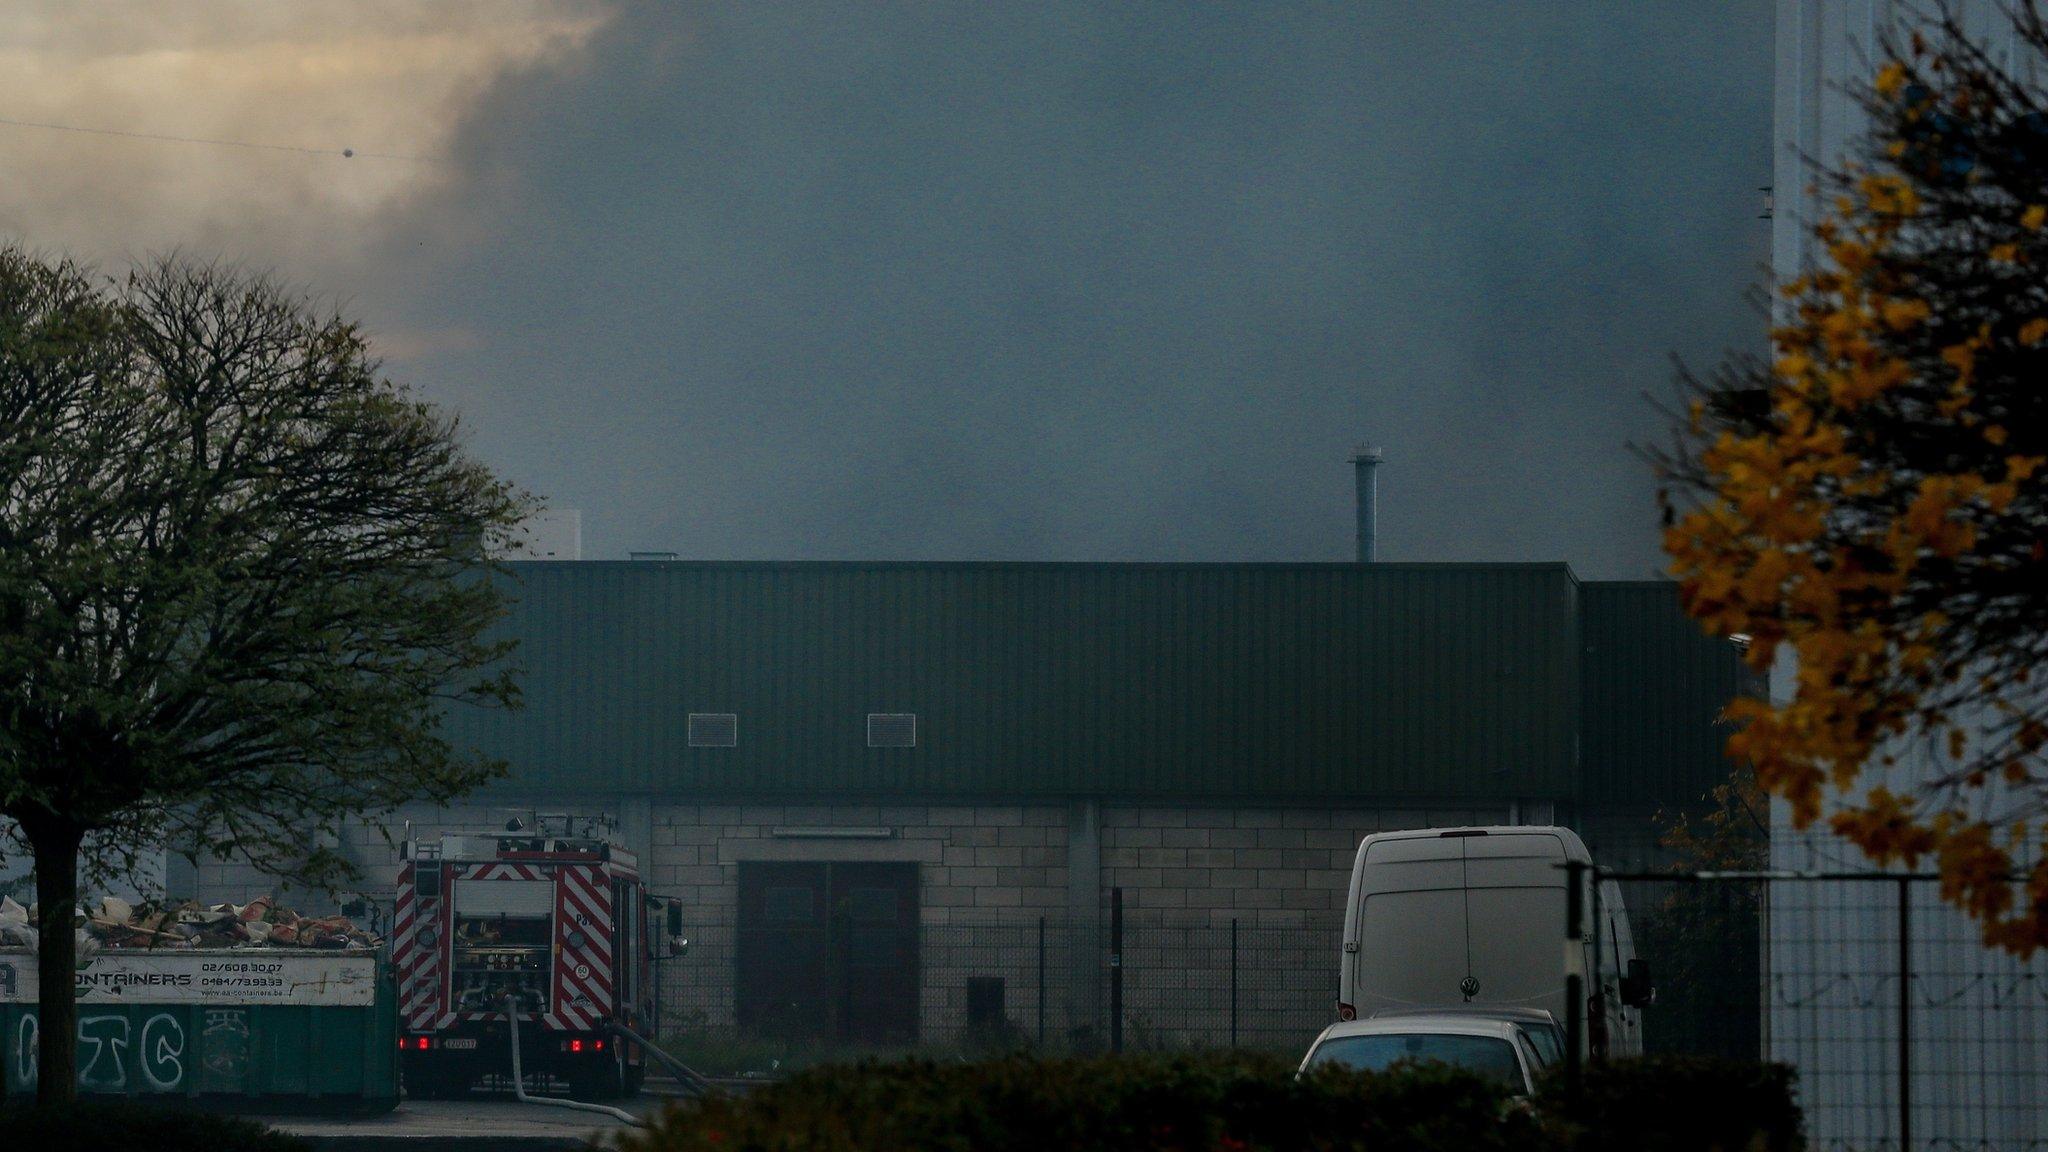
{"points": [[900, 797]]}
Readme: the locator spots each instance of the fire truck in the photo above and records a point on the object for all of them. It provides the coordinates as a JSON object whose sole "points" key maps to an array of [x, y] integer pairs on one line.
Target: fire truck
{"points": [[552, 925]]}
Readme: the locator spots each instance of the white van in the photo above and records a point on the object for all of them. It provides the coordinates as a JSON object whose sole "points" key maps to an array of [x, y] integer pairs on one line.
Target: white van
{"points": [[1476, 916]]}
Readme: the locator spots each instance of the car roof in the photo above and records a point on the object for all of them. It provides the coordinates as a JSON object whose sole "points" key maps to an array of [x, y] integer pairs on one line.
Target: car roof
{"points": [[1433, 1025], [1484, 1011]]}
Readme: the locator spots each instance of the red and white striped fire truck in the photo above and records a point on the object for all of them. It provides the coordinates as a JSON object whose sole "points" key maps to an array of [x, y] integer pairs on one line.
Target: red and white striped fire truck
{"points": [[554, 923]]}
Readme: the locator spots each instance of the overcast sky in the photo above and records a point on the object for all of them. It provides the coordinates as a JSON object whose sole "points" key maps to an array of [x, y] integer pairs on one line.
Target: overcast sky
{"points": [[976, 280]]}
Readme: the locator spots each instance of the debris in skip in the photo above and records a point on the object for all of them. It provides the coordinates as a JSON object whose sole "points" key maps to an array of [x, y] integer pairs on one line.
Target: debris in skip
{"points": [[261, 923]]}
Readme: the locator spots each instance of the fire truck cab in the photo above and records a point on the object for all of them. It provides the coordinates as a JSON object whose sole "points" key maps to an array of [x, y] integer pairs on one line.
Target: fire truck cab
{"points": [[554, 923]]}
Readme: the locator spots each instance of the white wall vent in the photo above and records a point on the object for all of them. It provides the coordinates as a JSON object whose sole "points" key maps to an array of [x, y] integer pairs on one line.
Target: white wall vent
{"points": [[714, 730], [892, 729]]}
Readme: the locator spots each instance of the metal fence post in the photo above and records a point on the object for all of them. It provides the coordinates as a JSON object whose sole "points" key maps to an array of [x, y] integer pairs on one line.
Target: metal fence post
{"points": [[1574, 983], [1041, 981], [1905, 1015], [1233, 981], [1116, 969]]}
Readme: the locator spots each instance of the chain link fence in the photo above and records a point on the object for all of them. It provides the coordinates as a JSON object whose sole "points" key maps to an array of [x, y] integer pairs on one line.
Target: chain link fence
{"points": [[1908, 1034], [1240, 984], [989, 981]]}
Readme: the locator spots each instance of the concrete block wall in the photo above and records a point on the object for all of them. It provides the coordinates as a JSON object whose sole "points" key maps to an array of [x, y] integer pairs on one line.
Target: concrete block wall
{"points": [[1274, 867], [1282, 874], [973, 860], [986, 875]]}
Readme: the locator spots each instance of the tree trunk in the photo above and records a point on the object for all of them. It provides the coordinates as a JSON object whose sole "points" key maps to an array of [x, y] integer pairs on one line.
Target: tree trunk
{"points": [[56, 852]]}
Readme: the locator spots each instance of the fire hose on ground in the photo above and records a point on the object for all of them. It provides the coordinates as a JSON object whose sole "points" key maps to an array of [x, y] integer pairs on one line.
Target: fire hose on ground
{"points": [[519, 1080], [685, 1075]]}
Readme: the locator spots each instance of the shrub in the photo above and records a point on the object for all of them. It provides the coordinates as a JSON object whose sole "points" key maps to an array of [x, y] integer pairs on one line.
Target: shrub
{"points": [[93, 1126], [1236, 1102], [1676, 1104], [1223, 1102]]}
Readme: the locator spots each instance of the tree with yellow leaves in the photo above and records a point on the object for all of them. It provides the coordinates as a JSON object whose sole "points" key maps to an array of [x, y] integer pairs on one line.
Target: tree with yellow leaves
{"points": [[1873, 499]]}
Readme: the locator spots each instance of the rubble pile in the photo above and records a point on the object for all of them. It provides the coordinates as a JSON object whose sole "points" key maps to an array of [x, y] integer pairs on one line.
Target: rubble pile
{"points": [[15, 927], [261, 923]]}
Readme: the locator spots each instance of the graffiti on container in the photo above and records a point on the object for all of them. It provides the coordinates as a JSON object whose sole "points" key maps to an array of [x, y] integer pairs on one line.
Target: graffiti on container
{"points": [[224, 1045], [27, 1048], [103, 1046], [163, 1049]]}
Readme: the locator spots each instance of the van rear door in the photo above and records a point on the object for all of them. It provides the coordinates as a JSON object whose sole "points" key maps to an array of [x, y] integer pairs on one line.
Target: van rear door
{"points": [[1439, 910]]}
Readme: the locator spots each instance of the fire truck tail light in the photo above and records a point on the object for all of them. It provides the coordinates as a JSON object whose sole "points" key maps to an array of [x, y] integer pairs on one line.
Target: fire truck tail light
{"points": [[423, 1042], [575, 1045], [599, 1045]]}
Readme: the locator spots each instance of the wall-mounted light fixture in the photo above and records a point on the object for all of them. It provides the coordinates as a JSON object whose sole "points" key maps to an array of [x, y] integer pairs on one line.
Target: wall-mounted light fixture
{"points": [[832, 833]]}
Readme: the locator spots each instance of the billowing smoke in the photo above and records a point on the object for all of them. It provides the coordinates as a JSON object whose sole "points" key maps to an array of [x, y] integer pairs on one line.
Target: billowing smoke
{"points": [[808, 279]]}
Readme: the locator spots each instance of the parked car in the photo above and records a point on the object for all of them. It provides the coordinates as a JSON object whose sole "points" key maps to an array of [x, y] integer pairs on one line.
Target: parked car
{"points": [[1545, 1034], [1496, 1050], [1477, 916]]}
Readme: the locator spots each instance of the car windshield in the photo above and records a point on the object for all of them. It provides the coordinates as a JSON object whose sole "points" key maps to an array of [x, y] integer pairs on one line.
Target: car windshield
{"points": [[1489, 1056], [1549, 1047]]}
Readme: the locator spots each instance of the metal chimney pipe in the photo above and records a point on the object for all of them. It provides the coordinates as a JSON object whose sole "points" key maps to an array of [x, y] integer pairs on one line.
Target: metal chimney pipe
{"points": [[1366, 465]]}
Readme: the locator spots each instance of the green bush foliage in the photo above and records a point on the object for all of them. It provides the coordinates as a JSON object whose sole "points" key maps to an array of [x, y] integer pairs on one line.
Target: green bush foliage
{"points": [[1677, 1104], [1230, 1102], [91, 1126], [1234, 1102]]}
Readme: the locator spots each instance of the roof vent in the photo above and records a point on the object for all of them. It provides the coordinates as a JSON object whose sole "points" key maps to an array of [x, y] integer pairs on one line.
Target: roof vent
{"points": [[714, 730], [892, 729], [1365, 464]]}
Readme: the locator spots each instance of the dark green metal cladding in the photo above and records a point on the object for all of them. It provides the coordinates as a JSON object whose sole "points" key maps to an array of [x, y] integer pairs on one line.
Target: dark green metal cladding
{"points": [[1656, 687], [1238, 682]]}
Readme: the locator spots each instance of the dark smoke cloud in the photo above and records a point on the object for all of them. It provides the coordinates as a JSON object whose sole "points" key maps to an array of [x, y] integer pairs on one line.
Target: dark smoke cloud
{"points": [[1101, 281]]}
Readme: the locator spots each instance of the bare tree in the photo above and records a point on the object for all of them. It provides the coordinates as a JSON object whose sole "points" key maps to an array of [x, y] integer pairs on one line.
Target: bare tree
{"points": [[240, 574]]}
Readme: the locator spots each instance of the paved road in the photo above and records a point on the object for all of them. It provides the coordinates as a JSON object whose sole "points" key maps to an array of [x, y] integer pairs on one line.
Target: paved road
{"points": [[464, 1125]]}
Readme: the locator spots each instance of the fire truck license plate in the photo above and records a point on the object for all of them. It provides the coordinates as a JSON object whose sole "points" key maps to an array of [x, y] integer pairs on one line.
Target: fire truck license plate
{"points": [[459, 1042]]}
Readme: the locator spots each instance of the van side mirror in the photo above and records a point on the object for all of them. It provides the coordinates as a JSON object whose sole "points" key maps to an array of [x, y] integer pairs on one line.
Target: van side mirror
{"points": [[1636, 989], [672, 917]]}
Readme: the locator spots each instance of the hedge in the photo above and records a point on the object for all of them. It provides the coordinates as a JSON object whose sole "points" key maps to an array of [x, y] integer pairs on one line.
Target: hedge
{"points": [[1231, 1102], [117, 1126], [1186, 1103], [1677, 1104]]}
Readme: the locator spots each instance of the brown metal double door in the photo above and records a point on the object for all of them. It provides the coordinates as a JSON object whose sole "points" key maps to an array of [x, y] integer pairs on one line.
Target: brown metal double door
{"points": [[828, 949]]}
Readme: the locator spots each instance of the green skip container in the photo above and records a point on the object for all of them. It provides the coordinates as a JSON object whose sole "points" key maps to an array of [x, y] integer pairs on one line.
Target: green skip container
{"points": [[247, 1028]]}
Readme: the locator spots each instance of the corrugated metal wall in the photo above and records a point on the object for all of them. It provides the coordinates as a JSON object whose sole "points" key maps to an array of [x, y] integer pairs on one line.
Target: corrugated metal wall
{"points": [[1654, 688], [1268, 682]]}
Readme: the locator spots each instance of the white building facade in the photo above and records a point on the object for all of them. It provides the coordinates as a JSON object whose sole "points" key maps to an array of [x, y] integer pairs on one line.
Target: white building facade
{"points": [[1968, 1026]]}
